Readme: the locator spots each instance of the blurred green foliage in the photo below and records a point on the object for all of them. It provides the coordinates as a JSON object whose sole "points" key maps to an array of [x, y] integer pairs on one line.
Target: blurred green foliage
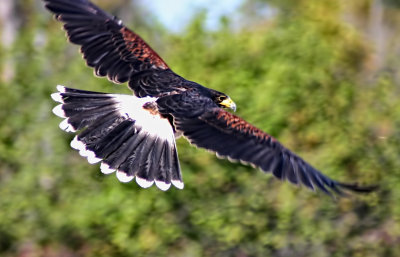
{"points": [[304, 75]]}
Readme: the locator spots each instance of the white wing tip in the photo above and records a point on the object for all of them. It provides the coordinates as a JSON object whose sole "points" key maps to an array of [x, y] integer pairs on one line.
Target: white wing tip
{"points": [[105, 169], [177, 183], [143, 182], [123, 177], [162, 185]]}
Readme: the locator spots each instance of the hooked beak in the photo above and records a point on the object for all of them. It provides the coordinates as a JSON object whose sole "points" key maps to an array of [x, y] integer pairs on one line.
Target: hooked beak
{"points": [[228, 103]]}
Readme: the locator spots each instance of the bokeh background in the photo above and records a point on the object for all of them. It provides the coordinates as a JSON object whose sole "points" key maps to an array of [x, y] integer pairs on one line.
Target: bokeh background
{"points": [[322, 76]]}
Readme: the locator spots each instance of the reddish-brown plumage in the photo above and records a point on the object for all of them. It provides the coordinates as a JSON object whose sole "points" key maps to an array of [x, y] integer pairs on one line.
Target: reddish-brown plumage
{"points": [[241, 125], [141, 49]]}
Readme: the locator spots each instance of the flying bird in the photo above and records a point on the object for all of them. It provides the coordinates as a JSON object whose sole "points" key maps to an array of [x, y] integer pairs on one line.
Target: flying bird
{"points": [[134, 135]]}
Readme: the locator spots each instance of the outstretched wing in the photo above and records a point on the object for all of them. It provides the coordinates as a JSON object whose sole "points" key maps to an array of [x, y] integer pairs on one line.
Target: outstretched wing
{"points": [[207, 126], [112, 49]]}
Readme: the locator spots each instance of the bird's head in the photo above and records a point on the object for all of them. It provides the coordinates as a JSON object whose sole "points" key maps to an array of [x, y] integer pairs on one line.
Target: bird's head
{"points": [[224, 101]]}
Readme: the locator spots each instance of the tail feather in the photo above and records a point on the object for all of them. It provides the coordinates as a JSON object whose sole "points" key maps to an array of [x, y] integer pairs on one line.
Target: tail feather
{"points": [[81, 121], [153, 163], [176, 178], [116, 158], [144, 163], [85, 110], [163, 177], [125, 137], [93, 133], [154, 159], [114, 139], [131, 165], [132, 144]]}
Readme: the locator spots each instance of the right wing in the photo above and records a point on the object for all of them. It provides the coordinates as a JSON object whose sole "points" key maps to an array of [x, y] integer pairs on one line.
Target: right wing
{"points": [[232, 137], [113, 50], [208, 126]]}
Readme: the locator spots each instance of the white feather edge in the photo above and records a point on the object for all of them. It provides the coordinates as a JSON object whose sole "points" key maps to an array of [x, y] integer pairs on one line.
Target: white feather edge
{"points": [[57, 97], [105, 169], [144, 182], [64, 125], [92, 159], [123, 177], [58, 110], [177, 183], [76, 144], [61, 88], [162, 185], [90, 155]]}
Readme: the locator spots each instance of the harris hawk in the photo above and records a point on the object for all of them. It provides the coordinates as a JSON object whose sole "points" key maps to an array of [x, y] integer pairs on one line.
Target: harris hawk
{"points": [[134, 135]]}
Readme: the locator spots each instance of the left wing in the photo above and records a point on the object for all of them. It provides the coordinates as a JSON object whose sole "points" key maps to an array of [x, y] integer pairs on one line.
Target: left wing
{"points": [[113, 50], [231, 137]]}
